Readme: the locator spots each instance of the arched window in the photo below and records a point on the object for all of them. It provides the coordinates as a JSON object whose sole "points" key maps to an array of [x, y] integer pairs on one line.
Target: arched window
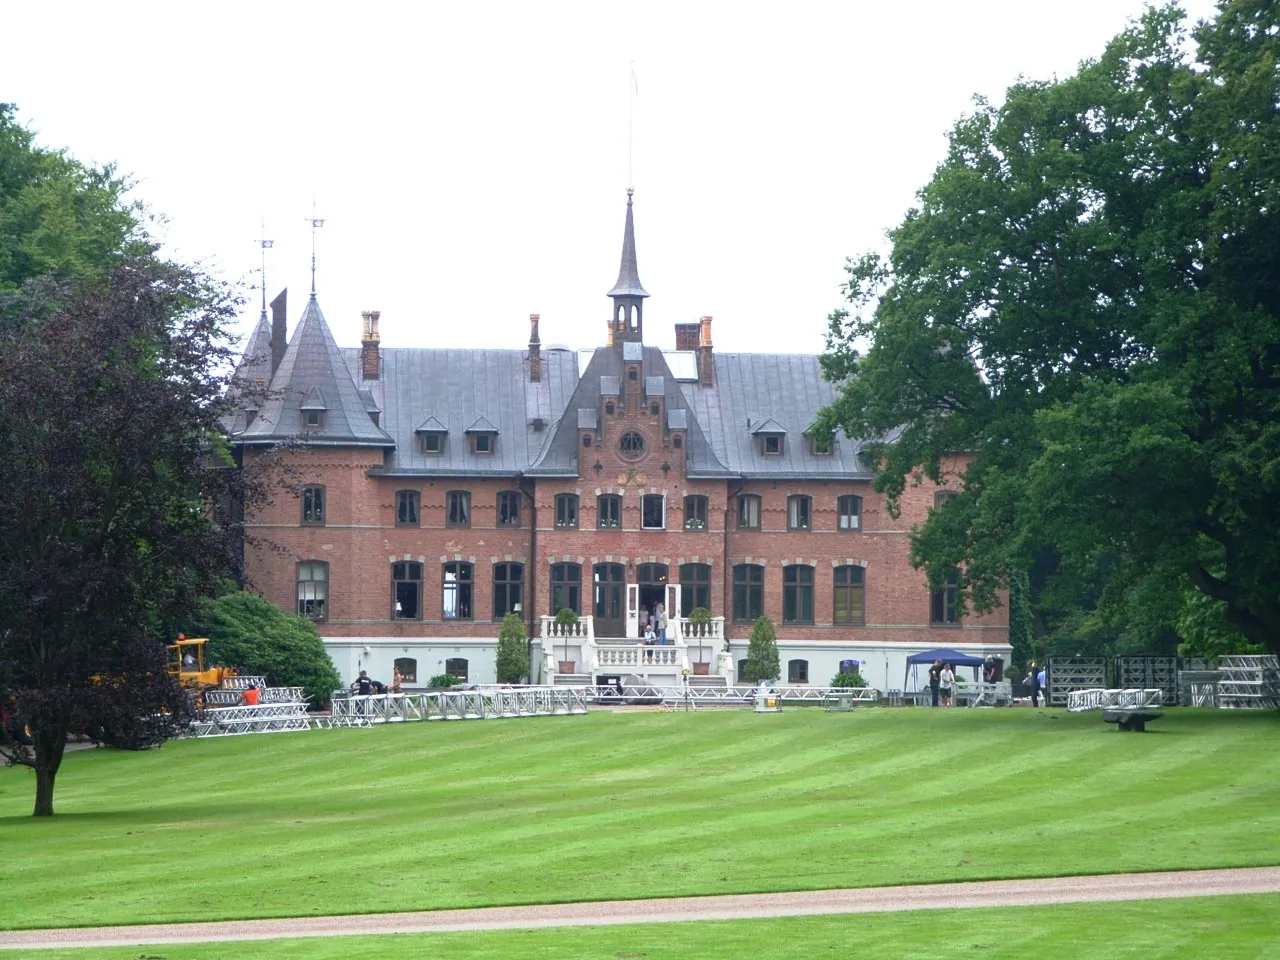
{"points": [[456, 667], [508, 588], [797, 671], [849, 599], [406, 591], [455, 595], [748, 592], [797, 594], [566, 510], [609, 511], [695, 512], [408, 668], [407, 502], [313, 590], [849, 513], [944, 606], [695, 587], [566, 587], [799, 512], [458, 507], [313, 504]]}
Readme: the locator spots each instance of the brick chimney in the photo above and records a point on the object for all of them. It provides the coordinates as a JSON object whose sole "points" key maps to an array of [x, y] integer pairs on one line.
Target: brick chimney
{"points": [[279, 339], [535, 349], [370, 362], [706, 362], [687, 336]]}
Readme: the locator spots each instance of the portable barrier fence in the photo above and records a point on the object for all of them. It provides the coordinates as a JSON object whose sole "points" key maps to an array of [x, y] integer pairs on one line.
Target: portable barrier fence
{"points": [[679, 694], [486, 703], [1066, 674], [1079, 701], [984, 694]]}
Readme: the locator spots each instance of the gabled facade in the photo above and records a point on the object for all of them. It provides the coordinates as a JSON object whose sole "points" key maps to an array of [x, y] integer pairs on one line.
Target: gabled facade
{"points": [[440, 489]]}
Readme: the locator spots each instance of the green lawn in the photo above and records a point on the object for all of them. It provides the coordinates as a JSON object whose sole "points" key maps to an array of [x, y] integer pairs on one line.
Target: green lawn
{"points": [[618, 805], [1213, 928]]}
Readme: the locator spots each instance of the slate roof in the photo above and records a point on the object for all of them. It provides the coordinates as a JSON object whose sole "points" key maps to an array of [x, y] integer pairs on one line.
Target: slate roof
{"points": [[313, 368], [461, 391], [756, 387], [255, 364], [628, 284]]}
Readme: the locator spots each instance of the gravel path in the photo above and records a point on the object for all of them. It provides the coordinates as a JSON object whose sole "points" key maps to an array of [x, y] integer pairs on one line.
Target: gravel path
{"points": [[938, 896]]}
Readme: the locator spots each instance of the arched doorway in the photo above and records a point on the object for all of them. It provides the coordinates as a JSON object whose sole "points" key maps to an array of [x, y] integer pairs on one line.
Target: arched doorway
{"points": [[651, 578]]}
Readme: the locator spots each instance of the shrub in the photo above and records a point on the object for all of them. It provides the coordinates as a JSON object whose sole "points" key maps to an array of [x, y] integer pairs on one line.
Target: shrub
{"points": [[513, 650], [443, 680], [566, 617], [700, 615], [248, 632], [850, 678], [762, 653]]}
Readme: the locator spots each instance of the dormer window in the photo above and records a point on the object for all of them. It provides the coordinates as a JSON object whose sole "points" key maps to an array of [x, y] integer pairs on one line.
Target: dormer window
{"points": [[432, 434], [482, 435], [821, 446], [769, 434], [313, 408]]}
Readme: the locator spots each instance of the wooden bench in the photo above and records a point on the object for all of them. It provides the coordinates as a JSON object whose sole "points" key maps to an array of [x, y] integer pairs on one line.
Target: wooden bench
{"points": [[1132, 720]]}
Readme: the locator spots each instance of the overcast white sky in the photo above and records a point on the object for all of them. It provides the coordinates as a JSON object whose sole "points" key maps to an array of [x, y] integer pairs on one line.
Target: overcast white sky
{"points": [[471, 159]]}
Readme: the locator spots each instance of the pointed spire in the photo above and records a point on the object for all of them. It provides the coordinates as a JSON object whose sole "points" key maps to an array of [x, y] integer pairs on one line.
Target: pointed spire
{"points": [[628, 284]]}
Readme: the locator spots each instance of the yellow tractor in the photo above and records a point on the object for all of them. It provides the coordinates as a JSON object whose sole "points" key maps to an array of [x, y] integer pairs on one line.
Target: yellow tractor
{"points": [[186, 662]]}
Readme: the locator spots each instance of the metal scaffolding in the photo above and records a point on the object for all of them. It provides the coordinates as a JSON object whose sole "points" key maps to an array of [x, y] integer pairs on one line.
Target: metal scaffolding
{"points": [[486, 703], [1249, 683], [1099, 699], [1066, 674]]}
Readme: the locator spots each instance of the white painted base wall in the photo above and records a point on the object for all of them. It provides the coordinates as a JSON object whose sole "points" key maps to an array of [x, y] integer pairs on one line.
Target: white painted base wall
{"points": [[883, 664]]}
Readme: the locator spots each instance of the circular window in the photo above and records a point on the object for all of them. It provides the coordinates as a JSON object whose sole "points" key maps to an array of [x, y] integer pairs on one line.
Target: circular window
{"points": [[631, 446]]}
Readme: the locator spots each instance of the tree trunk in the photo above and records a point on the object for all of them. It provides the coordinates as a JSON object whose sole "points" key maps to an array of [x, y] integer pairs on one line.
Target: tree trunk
{"points": [[49, 746]]}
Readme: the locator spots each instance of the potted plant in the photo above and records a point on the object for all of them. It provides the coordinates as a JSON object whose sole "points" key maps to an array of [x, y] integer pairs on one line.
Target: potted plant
{"points": [[566, 618], [700, 617]]}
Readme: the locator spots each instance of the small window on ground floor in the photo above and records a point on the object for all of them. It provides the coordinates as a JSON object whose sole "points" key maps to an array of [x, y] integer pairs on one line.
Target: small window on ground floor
{"points": [[456, 667], [408, 668], [797, 671]]}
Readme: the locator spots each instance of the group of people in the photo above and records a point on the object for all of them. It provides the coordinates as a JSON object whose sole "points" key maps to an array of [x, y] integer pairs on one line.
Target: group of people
{"points": [[364, 685], [653, 625], [942, 681], [1036, 678]]}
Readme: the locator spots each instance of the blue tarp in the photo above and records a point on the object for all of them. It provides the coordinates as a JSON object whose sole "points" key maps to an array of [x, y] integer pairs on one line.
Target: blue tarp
{"points": [[953, 657]]}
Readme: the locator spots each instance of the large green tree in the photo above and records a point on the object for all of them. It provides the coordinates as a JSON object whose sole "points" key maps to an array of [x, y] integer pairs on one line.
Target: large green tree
{"points": [[113, 369], [57, 215], [1083, 317]]}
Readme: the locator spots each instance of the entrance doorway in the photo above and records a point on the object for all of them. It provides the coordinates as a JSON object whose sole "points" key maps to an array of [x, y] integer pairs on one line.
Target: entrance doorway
{"points": [[651, 579], [610, 579]]}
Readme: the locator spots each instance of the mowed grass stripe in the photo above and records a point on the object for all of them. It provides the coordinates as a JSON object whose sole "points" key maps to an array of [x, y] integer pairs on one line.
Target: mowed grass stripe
{"points": [[1222, 928], [625, 805]]}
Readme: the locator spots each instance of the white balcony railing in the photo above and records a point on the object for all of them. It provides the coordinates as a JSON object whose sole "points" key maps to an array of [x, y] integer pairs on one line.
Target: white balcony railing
{"points": [[583, 630], [637, 658]]}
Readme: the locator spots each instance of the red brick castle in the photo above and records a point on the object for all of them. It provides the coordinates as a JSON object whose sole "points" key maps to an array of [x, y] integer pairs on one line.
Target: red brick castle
{"points": [[443, 488]]}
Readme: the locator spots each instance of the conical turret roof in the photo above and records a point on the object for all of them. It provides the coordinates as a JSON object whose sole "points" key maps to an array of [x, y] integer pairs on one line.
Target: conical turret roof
{"points": [[313, 368], [628, 284]]}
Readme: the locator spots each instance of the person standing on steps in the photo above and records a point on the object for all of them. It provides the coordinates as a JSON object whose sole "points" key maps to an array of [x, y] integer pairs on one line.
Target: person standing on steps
{"points": [[661, 616]]}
